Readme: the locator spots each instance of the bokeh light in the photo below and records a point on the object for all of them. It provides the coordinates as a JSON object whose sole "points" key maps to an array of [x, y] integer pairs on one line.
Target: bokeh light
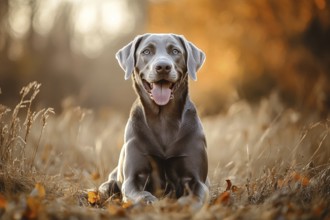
{"points": [[252, 48]]}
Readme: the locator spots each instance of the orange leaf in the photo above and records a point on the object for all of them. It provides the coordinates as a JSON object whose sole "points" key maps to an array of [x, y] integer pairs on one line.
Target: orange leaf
{"points": [[3, 202], [234, 188], [318, 210], [223, 198], [228, 185], [34, 201], [280, 183], [126, 205], [300, 178], [296, 176], [95, 175], [34, 205], [93, 197], [116, 210], [38, 191], [304, 181]]}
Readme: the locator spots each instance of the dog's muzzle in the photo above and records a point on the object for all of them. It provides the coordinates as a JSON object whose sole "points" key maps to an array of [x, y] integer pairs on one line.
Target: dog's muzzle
{"points": [[160, 87], [160, 91]]}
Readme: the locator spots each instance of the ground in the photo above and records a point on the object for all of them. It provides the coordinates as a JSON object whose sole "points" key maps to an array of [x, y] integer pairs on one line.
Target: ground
{"points": [[266, 161]]}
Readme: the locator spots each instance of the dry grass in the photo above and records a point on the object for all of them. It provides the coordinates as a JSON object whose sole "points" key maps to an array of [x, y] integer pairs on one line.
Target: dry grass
{"points": [[275, 160]]}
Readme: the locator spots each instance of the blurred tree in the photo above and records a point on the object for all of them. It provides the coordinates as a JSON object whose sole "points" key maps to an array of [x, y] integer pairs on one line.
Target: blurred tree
{"points": [[254, 47], [69, 47]]}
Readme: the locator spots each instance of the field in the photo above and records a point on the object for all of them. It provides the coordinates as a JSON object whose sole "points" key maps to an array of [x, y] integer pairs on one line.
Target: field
{"points": [[266, 161]]}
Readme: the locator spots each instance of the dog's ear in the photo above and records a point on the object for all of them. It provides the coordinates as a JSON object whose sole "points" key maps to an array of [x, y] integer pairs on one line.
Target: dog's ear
{"points": [[195, 57], [126, 56]]}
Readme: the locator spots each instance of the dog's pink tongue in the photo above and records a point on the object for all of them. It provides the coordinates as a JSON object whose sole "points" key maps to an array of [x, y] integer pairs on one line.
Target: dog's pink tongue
{"points": [[161, 93]]}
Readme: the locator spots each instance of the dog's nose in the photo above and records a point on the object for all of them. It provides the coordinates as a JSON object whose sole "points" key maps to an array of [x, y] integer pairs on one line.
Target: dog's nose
{"points": [[163, 67]]}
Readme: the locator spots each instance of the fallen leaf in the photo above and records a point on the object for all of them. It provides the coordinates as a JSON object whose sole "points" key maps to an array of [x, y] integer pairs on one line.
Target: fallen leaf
{"points": [[93, 197], [34, 201], [3, 202], [229, 184], [280, 183], [116, 210], [38, 191], [33, 207], [304, 181], [295, 176], [234, 188], [300, 178], [126, 205], [223, 198], [95, 175], [318, 209]]}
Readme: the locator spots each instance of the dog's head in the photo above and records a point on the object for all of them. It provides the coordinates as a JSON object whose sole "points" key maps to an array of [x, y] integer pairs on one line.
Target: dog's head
{"points": [[159, 63]]}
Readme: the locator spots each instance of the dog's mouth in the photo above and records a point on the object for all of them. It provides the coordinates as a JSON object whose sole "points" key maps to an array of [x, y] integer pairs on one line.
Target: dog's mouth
{"points": [[161, 91]]}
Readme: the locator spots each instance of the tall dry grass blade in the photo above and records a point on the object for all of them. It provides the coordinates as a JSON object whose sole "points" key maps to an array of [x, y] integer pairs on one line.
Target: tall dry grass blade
{"points": [[45, 115], [3, 130], [14, 141], [319, 146], [30, 115], [267, 131], [14, 134], [295, 149], [248, 163]]}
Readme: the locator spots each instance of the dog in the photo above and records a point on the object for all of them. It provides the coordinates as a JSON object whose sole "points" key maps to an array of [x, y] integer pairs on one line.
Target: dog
{"points": [[164, 153]]}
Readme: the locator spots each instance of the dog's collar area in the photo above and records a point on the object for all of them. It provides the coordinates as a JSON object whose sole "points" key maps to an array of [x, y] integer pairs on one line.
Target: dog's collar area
{"points": [[161, 92]]}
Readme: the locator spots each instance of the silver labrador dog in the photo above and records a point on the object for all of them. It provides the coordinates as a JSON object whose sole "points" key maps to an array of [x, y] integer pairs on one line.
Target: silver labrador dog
{"points": [[165, 149]]}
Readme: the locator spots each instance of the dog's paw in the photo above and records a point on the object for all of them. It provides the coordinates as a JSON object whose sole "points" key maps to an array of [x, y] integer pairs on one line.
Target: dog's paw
{"points": [[143, 197], [149, 199], [193, 203], [104, 188], [108, 189]]}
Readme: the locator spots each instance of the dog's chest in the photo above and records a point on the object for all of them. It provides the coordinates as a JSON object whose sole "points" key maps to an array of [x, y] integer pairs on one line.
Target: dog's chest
{"points": [[164, 137], [165, 131]]}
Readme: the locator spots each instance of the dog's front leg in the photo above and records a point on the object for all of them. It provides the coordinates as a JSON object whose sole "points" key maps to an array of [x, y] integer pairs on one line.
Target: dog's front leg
{"points": [[136, 173], [198, 195], [132, 193], [110, 187]]}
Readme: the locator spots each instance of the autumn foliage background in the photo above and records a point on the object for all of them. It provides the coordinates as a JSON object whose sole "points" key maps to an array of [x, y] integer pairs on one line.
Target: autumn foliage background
{"points": [[263, 93]]}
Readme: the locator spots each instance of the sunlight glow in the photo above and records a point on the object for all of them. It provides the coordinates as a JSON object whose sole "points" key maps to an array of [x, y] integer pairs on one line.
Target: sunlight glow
{"points": [[45, 16], [19, 21], [93, 23], [85, 17], [97, 22], [115, 16]]}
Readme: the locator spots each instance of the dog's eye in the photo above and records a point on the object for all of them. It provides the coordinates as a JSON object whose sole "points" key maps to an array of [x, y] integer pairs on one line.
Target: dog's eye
{"points": [[175, 51], [146, 52]]}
